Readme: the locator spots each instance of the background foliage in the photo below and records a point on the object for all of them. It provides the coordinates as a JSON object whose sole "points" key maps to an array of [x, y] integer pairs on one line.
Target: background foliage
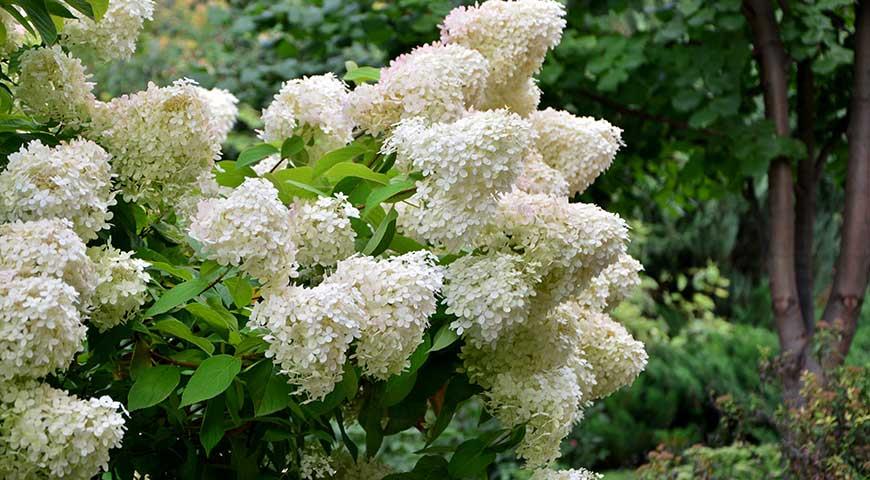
{"points": [[678, 77]]}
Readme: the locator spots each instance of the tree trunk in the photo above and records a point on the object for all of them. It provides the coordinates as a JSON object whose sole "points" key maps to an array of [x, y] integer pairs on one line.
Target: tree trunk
{"points": [[853, 263], [805, 208], [774, 66]]}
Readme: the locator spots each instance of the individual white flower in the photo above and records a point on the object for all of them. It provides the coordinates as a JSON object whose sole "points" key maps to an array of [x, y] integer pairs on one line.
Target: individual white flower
{"points": [[322, 230], [579, 147], [547, 402], [50, 248], [72, 180], [436, 82], [54, 86], [487, 294], [315, 464], [251, 229], [521, 97], [309, 331], [224, 110], [15, 34], [40, 326], [122, 286], [398, 296], [316, 103], [114, 35], [48, 433], [161, 140], [616, 358], [570, 242], [467, 163], [613, 284], [538, 177], [361, 469], [578, 474], [514, 36]]}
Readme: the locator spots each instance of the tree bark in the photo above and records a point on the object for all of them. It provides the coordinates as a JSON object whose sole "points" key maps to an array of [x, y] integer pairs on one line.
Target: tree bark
{"points": [[774, 66], [853, 262], [805, 208]]}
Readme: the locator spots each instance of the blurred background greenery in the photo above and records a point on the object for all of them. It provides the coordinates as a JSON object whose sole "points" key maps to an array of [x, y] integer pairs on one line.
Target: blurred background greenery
{"points": [[678, 76]]}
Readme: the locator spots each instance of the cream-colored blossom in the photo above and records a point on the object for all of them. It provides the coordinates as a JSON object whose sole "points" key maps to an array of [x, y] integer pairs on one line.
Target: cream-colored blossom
{"points": [[122, 286], [72, 180], [114, 35], [54, 86]]}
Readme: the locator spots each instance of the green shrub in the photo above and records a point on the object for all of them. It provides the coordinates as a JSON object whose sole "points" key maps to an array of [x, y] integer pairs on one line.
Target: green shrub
{"points": [[734, 462]]}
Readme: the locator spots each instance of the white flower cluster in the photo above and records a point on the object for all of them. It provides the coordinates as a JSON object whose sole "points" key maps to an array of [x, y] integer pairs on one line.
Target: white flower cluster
{"points": [[578, 474], [322, 230], [467, 163], [616, 358], [514, 37], [48, 248], [538, 177], [72, 180], [570, 242], [54, 86], [438, 83], [488, 293], [15, 34], [315, 464], [161, 139], [579, 147], [40, 325], [398, 296], [317, 103], [224, 110], [48, 433], [251, 229], [121, 289], [309, 331], [361, 469], [114, 35], [613, 284]]}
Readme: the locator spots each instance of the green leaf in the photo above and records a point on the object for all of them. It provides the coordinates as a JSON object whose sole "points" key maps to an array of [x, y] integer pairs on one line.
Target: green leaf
{"points": [[211, 378], [221, 321], [383, 235], [82, 6], [389, 192], [292, 147], [344, 154], [241, 291], [37, 12], [294, 182], [445, 337], [212, 429], [176, 296], [252, 155], [177, 272], [152, 386], [58, 10], [470, 459], [228, 174], [269, 390], [360, 75], [177, 329], [343, 170], [398, 387], [100, 8]]}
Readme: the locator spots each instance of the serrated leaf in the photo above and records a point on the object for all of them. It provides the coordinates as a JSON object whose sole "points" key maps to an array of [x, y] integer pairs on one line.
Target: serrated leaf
{"points": [[211, 378], [241, 291], [344, 154], [152, 386], [270, 391]]}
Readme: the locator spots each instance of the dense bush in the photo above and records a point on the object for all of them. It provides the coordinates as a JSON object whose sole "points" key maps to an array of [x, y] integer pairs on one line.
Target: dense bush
{"points": [[737, 461], [379, 258]]}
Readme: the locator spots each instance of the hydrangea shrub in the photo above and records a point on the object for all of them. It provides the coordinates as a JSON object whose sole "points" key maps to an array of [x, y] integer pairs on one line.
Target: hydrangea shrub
{"points": [[388, 252]]}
